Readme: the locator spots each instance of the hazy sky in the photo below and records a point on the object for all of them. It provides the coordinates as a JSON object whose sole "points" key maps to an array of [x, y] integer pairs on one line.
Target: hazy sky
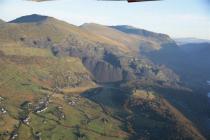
{"points": [[178, 18]]}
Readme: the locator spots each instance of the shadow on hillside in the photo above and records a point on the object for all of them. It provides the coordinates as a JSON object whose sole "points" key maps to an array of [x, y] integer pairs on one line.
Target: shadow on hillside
{"points": [[111, 100], [108, 97], [190, 62]]}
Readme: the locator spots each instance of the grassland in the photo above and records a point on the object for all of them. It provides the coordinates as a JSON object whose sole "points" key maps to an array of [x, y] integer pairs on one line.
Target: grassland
{"points": [[32, 74]]}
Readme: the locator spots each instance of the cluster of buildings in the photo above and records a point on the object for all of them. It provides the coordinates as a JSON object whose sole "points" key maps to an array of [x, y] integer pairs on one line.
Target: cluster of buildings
{"points": [[42, 105]]}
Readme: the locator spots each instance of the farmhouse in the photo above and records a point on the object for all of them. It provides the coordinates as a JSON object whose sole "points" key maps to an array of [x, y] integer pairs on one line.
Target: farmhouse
{"points": [[40, 109]]}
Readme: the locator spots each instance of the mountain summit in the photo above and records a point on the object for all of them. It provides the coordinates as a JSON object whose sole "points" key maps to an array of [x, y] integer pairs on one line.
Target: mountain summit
{"points": [[30, 19]]}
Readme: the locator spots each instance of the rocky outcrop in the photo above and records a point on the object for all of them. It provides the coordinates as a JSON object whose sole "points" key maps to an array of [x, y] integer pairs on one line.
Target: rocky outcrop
{"points": [[103, 71]]}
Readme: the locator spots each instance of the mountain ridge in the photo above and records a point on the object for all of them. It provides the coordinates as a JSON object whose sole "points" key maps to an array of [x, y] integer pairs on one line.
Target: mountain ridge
{"points": [[187, 40], [162, 39], [30, 19], [136, 39], [134, 30]]}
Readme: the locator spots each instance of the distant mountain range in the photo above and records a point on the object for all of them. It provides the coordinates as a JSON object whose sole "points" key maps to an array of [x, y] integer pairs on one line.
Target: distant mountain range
{"points": [[182, 41]]}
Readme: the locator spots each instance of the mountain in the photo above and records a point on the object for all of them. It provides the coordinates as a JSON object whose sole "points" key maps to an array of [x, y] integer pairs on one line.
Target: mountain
{"points": [[190, 61], [162, 40], [182, 41], [127, 65], [59, 26], [128, 42], [196, 48], [66, 39], [141, 32], [60, 81], [62, 38], [182, 58], [30, 19], [136, 40]]}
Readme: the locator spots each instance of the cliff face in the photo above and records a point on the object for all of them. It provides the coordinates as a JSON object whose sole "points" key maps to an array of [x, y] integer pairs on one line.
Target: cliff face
{"points": [[103, 71]]}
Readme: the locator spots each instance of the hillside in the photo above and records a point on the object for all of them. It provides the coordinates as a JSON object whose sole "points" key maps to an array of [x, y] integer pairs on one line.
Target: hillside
{"points": [[136, 40], [148, 115], [62, 30], [66, 39], [128, 42], [162, 39], [62, 38], [60, 81], [190, 61]]}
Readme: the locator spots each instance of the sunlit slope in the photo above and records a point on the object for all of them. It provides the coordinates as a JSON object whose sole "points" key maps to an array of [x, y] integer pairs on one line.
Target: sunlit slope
{"points": [[134, 38], [115, 35], [40, 31], [160, 38], [38, 66], [29, 76]]}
